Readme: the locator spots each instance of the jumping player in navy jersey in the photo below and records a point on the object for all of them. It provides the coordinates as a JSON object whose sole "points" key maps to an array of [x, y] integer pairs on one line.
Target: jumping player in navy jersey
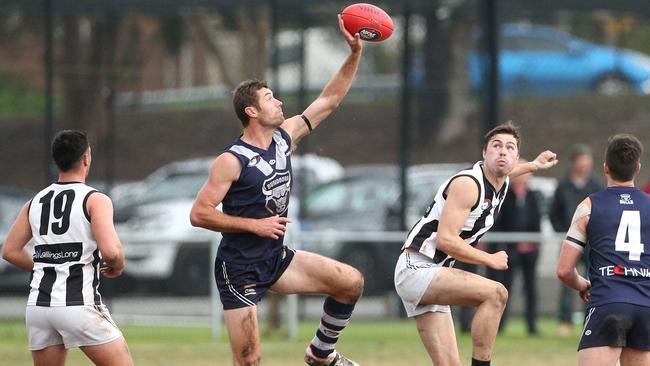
{"points": [[252, 180], [615, 224], [71, 225], [462, 211]]}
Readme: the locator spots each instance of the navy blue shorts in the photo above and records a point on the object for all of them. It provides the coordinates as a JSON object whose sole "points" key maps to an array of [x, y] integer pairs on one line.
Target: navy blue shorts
{"points": [[617, 325], [242, 285]]}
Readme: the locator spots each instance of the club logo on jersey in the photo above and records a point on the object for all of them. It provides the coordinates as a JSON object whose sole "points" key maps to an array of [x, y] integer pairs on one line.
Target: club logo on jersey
{"points": [[486, 204], [57, 253], [254, 160], [276, 190], [625, 199]]}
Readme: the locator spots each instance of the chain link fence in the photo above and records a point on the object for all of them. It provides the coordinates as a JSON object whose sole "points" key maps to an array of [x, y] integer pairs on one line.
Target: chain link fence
{"points": [[150, 81]]}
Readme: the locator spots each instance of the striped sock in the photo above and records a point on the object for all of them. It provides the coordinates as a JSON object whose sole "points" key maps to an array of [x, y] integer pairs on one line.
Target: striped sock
{"points": [[335, 317]]}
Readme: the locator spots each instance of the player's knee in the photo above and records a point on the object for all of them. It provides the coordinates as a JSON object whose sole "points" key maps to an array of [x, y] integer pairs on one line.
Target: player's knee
{"points": [[353, 288], [357, 285], [252, 362], [501, 295], [249, 355], [249, 360]]}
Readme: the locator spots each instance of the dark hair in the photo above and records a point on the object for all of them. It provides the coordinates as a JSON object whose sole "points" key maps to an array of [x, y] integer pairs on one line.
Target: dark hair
{"points": [[579, 150], [68, 147], [505, 128], [622, 155], [245, 95]]}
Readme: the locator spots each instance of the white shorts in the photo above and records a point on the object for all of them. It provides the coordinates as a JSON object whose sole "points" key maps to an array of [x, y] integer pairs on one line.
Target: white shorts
{"points": [[413, 274], [72, 326]]}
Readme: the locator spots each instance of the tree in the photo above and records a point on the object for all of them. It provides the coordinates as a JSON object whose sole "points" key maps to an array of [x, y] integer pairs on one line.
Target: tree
{"points": [[444, 100], [244, 27]]}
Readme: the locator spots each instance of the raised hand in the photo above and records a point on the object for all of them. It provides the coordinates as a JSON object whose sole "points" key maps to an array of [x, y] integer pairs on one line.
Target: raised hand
{"points": [[353, 40]]}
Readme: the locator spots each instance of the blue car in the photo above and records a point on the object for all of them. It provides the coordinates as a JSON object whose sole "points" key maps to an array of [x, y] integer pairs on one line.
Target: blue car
{"points": [[539, 60]]}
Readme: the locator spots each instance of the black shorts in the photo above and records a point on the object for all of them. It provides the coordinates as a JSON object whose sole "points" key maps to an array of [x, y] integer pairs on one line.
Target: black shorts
{"points": [[617, 325], [242, 285]]}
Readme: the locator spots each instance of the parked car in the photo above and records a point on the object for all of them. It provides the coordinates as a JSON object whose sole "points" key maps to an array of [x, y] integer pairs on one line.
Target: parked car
{"points": [[12, 200], [540, 60], [163, 250], [367, 199]]}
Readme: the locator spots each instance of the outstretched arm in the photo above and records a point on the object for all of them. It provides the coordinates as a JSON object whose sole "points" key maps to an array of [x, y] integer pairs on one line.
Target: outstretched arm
{"points": [[223, 173], [545, 160], [332, 94], [14, 249]]}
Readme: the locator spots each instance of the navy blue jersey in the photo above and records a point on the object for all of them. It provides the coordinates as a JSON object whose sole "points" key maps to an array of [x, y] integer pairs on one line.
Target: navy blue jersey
{"points": [[262, 190], [619, 262]]}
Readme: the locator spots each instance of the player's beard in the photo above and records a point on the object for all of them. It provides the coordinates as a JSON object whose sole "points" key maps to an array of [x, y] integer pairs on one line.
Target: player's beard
{"points": [[280, 119], [274, 121]]}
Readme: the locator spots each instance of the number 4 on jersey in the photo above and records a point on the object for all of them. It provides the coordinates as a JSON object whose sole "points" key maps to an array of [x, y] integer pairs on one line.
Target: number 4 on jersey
{"points": [[630, 228]]}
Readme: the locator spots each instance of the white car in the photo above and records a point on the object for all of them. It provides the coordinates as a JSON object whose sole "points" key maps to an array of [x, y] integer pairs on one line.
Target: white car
{"points": [[12, 200], [366, 201], [163, 250]]}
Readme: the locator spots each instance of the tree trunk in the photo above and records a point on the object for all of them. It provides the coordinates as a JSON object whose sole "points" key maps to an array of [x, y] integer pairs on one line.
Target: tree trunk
{"points": [[206, 30], [460, 104], [254, 43]]}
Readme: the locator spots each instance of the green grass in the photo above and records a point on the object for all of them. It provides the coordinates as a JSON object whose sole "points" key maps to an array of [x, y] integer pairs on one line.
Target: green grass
{"points": [[383, 343], [21, 102]]}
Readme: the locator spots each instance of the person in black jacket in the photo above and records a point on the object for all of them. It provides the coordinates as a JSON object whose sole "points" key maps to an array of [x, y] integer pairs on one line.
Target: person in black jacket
{"points": [[520, 213], [576, 186]]}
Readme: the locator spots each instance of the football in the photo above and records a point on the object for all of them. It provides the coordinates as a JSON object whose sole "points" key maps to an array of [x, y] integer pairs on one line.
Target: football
{"points": [[371, 22]]}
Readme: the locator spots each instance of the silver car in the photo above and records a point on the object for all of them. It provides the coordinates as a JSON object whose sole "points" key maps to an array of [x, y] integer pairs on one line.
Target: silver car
{"points": [[367, 199], [164, 252]]}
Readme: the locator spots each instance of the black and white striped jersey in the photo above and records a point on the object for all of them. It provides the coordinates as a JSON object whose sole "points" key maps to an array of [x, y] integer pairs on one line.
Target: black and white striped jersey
{"points": [[422, 236], [66, 257]]}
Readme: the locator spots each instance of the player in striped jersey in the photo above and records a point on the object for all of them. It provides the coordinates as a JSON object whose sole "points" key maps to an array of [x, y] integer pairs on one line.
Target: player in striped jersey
{"points": [[615, 224], [71, 225], [463, 210]]}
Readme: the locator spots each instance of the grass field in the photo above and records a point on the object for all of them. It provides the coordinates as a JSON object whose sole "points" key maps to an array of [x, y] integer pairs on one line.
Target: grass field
{"points": [[387, 343]]}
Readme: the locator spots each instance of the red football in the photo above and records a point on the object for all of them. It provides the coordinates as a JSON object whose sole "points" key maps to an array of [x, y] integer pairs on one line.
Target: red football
{"points": [[372, 23]]}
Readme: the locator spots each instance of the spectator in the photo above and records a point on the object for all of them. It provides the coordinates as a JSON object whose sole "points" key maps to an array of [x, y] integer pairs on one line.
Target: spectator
{"points": [[576, 186], [520, 213]]}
